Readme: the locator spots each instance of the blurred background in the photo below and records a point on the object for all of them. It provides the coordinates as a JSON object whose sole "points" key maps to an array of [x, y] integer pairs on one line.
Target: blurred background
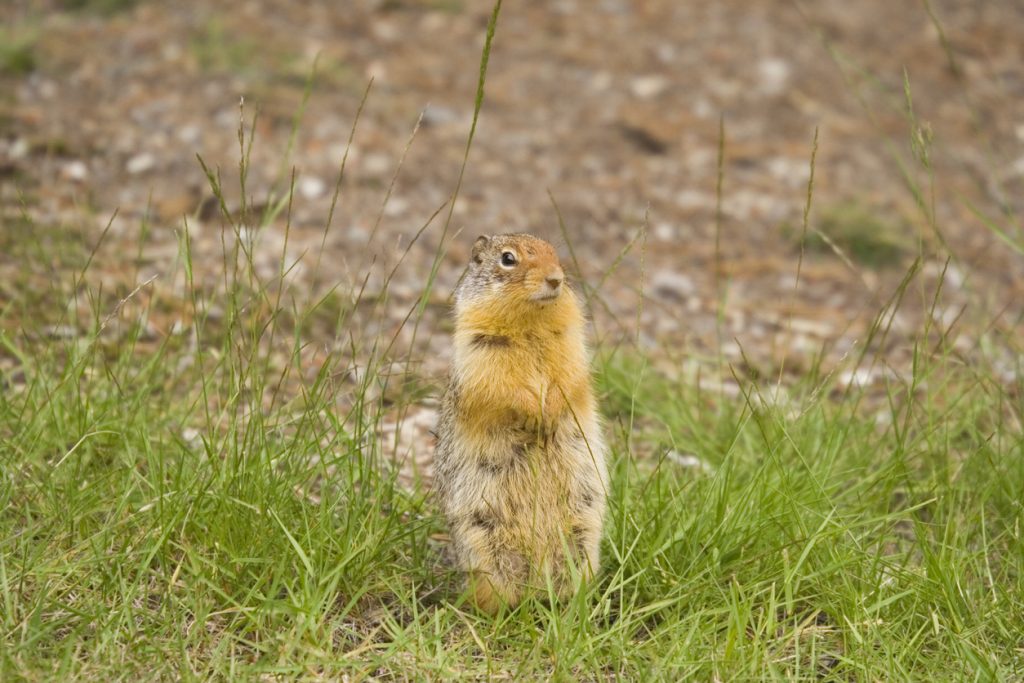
{"points": [[675, 138]]}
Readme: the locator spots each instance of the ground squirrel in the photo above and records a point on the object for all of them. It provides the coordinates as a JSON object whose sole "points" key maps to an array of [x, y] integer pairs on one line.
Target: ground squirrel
{"points": [[520, 465]]}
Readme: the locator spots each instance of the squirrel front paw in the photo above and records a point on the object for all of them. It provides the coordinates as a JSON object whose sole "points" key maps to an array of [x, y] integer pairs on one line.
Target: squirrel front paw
{"points": [[538, 427]]}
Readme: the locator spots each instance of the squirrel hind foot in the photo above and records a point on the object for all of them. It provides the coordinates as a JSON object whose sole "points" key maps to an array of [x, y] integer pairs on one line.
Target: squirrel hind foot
{"points": [[486, 596]]}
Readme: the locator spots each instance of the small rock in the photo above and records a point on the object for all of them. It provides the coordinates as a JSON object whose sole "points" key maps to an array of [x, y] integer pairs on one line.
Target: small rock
{"points": [[774, 75], [668, 284], [377, 164], [646, 87], [191, 436], [140, 163], [793, 172], [954, 277], [726, 388], [75, 170], [61, 332], [817, 328], [377, 70], [48, 89], [175, 206], [189, 134], [19, 149], [644, 138], [435, 115], [614, 6], [396, 206], [861, 377], [664, 232], [386, 31], [401, 291], [1017, 167], [702, 108], [171, 51], [311, 187], [689, 460], [692, 200], [601, 81]]}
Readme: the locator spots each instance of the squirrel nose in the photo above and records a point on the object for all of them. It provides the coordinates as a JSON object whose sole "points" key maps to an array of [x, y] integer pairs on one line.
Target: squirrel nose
{"points": [[555, 279]]}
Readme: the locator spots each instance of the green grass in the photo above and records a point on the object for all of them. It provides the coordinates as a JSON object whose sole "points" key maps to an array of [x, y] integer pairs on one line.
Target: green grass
{"points": [[168, 511], [103, 7], [219, 50], [207, 503], [856, 233], [18, 50]]}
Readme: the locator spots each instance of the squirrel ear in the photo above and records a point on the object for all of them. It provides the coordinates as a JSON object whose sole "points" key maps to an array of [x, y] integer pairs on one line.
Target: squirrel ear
{"points": [[481, 243]]}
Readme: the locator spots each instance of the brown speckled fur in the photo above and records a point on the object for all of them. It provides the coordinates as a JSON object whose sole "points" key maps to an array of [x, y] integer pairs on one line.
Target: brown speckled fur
{"points": [[520, 465]]}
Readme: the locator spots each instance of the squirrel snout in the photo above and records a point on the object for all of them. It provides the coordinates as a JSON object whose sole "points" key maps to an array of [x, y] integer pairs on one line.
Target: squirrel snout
{"points": [[551, 287], [555, 278]]}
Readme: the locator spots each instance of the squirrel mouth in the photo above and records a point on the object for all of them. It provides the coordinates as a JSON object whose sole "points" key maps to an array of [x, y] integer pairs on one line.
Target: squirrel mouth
{"points": [[545, 297]]}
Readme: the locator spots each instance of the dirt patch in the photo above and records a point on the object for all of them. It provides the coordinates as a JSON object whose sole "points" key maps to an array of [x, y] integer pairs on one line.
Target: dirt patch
{"points": [[616, 108]]}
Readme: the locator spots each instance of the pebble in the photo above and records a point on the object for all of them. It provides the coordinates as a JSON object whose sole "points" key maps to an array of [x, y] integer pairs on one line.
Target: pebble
{"points": [[435, 115], [376, 164], [817, 328], [75, 170], [774, 75], [648, 87], [311, 187], [664, 232], [18, 149], [668, 284], [702, 108], [61, 331], [377, 70], [689, 460], [792, 172], [600, 81], [140, 163], [691, 200], [386, 31], [860, 377], [396, 206], [1017, 167], [189, 134]]}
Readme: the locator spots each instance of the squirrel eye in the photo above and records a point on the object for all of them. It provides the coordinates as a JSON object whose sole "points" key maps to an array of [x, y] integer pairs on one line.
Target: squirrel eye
{"points": [[508, 259]]}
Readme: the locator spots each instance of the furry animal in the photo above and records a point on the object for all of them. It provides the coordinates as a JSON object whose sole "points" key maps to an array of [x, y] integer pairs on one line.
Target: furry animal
{"points": [[520, 466]]}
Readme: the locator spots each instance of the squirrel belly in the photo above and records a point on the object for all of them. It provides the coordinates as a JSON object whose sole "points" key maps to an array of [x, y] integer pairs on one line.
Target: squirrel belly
{"points": [[520, 462]]}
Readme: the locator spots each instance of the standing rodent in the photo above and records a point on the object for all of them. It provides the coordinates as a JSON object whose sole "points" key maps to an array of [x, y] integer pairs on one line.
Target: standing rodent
{"points": [[520, 465]]}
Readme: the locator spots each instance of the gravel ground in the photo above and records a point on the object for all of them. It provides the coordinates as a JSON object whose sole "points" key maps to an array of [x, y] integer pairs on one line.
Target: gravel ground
{"points": [[616, 109]]}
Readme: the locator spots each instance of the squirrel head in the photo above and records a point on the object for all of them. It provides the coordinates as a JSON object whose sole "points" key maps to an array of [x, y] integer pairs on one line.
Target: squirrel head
{"points": [[519, 272]]}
